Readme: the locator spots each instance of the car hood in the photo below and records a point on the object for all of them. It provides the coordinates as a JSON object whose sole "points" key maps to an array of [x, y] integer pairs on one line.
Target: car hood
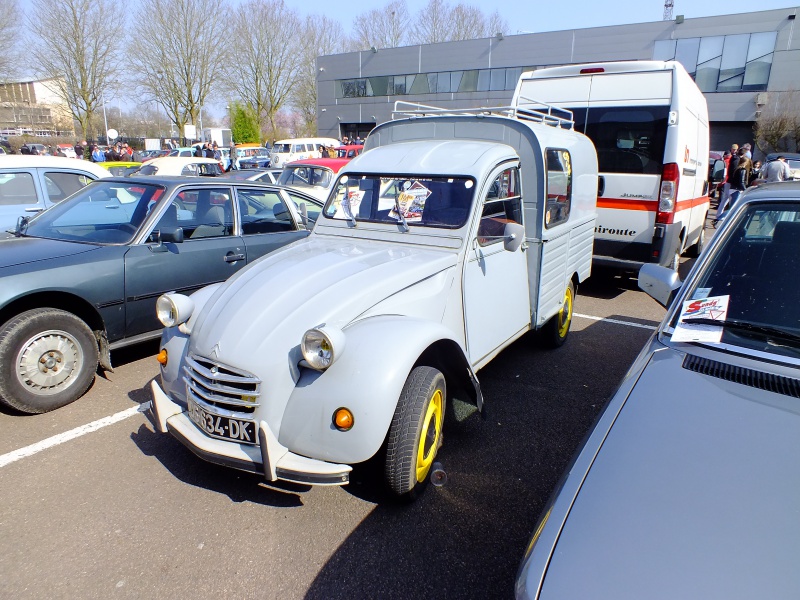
{"points": [[267, 307], [26, 250], [695, 493]]}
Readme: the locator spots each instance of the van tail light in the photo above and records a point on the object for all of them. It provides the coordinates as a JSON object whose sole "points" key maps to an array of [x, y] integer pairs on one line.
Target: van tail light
{"points": [[590, 70], [668, 194]]}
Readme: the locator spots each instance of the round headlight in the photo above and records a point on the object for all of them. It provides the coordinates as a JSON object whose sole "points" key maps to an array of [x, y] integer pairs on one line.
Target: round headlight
{"points": [[174, 309], [321, 346]]}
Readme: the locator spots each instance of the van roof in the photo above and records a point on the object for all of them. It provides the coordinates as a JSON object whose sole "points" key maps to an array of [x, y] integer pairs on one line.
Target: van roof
{"points": [[629, 66]]}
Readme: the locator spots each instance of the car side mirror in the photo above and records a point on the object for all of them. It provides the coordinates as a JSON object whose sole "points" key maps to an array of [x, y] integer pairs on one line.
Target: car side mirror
{"points": [[660, 283], [166, 234], [513, 236], [303, 214], [719, 171]]}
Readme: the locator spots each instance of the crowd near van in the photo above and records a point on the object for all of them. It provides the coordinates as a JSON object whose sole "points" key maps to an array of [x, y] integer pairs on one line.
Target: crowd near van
{"points": [[286, 151], [649, 123]]}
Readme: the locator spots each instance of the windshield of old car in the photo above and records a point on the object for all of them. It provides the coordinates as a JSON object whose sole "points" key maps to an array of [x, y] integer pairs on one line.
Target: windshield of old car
{"points": [[751, 281], [105, 212], [421, 200], [306, 176]]}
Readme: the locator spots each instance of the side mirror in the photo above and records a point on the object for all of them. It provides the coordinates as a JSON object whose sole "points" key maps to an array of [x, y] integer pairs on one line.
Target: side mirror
{"points": [[660, 283], [303, 214], [167, 234], [719, 171], [513, 236]]}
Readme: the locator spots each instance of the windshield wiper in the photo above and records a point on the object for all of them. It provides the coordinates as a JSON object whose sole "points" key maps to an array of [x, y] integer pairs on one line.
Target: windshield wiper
{"points": [[400, 216], [746, 326]]}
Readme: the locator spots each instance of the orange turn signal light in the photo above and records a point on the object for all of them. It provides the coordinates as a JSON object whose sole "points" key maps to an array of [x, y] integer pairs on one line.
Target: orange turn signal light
{"points": [[343, 419], [162, 357]]}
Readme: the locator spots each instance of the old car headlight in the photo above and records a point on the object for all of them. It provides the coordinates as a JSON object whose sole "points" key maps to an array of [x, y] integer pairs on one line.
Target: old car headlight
{"points": [[321, 346], [174, 309]]}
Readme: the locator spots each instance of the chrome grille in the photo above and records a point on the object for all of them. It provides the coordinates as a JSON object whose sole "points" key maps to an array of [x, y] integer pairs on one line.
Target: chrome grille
{"points": [[214, 384]]}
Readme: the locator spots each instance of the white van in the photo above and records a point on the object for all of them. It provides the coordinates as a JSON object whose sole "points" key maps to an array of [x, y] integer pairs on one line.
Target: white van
{"points": [[649, 123], [285, 151]]}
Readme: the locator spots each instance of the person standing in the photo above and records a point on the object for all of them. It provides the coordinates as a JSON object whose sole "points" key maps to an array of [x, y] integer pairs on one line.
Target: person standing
{"points": [[777, 170], [739, 182], [208, 151], [98, 155], [234, 165]]}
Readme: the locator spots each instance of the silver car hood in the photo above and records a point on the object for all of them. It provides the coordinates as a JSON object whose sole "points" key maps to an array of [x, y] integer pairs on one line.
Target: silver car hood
{"points": [[695, 493], [267, 307]]}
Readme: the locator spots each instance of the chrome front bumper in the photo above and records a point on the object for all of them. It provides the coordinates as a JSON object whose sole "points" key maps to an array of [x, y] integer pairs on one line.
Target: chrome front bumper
{"points": [[268, 458]]}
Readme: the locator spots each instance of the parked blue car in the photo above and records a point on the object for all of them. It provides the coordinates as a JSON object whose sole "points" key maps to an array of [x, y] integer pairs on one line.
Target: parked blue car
{"points": [[82, 278]]}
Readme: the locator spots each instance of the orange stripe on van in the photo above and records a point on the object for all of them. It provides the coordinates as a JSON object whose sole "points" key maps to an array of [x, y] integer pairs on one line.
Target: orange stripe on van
{"points": [[646, 205]]}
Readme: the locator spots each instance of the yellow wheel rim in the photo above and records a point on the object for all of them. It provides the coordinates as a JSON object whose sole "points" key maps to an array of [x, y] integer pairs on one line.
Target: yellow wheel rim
{"points": [[430, 435], [565, 314]]}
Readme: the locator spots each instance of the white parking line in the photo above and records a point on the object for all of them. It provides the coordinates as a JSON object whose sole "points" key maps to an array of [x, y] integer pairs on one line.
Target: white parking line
{"points": [[10, 457], [7, 459], [615, 321]]}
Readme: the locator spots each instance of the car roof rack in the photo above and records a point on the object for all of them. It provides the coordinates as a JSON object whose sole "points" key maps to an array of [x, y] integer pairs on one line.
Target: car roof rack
{"points": [[542, 113]]}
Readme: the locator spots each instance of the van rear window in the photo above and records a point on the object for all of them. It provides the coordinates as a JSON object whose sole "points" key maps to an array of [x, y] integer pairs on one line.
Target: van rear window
{"points": [[628, 139]]}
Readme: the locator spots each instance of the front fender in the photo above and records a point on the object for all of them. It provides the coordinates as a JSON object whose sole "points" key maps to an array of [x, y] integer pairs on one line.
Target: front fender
{"points": [[367, 379]]}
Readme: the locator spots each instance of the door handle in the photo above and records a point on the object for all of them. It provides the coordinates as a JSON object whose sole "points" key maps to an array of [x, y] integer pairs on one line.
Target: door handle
{"points": [[231, 257], [34, 209]]}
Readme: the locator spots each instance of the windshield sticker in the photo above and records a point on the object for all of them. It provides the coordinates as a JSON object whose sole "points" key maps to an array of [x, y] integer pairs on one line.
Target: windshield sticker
{"points": [[349, 204], [411, 202], [701, 293], [714, 308]]}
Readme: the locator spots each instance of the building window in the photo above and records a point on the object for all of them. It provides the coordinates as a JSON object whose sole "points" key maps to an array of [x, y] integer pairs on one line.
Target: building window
{"points": [[731, 63]]}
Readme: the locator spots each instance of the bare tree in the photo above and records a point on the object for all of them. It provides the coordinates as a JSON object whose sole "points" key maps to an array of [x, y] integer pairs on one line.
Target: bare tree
{"points": [[322, 35], [777, 128], [9, 27], [469, 23], [434, 23], [183, 56], [74, 52], [266, 63], [387, 27], [495, 24]]}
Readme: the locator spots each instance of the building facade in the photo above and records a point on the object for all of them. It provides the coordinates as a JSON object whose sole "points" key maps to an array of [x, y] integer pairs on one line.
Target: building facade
{"points": [[33, 108], [741, 62]]}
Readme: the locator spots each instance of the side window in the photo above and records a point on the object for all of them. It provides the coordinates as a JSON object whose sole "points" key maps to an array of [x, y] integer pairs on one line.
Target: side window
{"points": [[263, 211], [559, 187], [312, 210], [61, 184], [205, 212], [17, 188], [503, 204]]}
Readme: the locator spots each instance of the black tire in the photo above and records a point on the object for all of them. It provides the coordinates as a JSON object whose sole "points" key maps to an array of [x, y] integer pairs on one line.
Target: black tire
{"points": [[696, 249], [48, 358], [417, 425], [555, 331]]}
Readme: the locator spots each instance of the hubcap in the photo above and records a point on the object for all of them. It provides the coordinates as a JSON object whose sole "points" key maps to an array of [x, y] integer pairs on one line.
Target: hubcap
{"points": [[48, 362], [565, 314], [431, 433]]}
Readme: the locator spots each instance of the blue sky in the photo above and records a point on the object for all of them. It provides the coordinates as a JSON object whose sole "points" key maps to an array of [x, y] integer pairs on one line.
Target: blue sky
{"points": [[542, 16]]}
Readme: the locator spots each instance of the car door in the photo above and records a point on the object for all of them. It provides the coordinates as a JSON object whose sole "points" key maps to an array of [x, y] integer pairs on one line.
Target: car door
{"points": [[20, 195], [496, 298], [267, 222], [211, 252]]}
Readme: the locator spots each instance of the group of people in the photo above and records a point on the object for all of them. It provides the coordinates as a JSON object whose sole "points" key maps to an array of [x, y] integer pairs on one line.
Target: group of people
{"points": [[742, 172], [119, 152], [208, 150]]}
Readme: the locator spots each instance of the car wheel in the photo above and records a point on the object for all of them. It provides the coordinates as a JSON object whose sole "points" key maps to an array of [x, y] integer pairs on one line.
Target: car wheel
{"points": [[556, 330], [48, 358], [415, 434], [697, 248], [675, 261]]}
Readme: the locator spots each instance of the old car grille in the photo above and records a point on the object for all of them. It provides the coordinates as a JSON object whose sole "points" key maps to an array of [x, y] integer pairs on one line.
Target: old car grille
{"points": [[750, 377], [212, 383]]}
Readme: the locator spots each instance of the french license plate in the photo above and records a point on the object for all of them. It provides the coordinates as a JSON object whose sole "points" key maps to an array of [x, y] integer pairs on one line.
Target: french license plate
{"points": [[224, 428]]}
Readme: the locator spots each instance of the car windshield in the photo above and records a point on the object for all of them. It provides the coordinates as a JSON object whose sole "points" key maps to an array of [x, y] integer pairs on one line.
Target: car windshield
{"points": [[306, 176], [754, 272], [421, 201], [102, 212]]}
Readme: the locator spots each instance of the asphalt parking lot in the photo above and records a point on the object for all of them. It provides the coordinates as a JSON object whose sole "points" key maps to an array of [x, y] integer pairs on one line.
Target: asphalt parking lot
{"points": [[119, 511]]}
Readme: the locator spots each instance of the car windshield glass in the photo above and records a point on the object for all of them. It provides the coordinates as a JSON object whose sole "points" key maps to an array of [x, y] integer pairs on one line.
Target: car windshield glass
{"points": [[754, 271], [102, 212], [306, 176], [421, 201]]}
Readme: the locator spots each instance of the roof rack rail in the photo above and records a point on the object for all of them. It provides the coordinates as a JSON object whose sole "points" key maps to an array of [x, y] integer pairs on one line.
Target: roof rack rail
{"points": [[533, 110]]}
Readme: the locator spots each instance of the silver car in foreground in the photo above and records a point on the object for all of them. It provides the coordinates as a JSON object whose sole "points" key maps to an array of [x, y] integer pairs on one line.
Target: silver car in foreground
{"points": [[689, 484]]}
